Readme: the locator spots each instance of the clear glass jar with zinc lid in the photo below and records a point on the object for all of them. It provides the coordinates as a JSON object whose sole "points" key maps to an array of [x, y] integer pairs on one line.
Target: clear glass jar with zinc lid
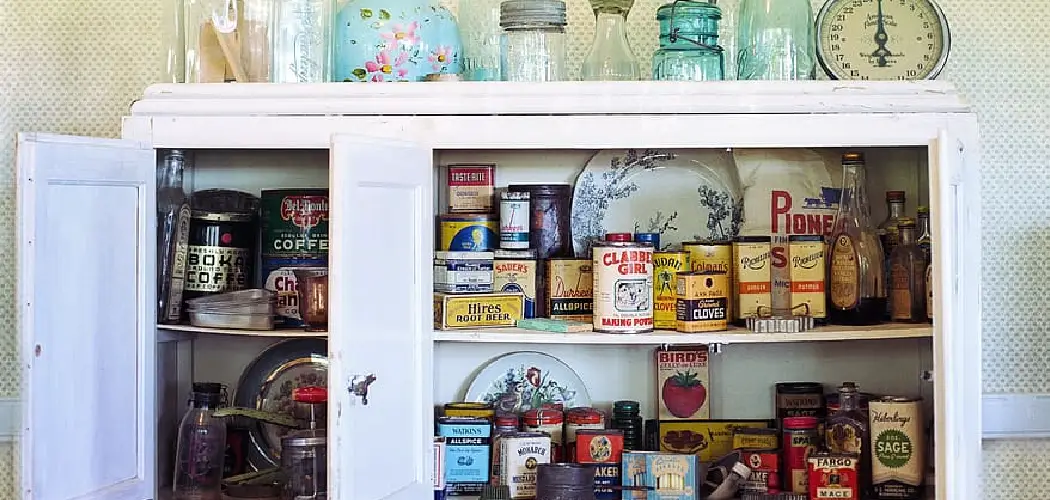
{"points": [[689, 49], [533, 43]]}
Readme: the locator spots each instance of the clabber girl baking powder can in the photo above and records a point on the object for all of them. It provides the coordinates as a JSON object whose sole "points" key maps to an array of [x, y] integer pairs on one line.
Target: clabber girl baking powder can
{"points": [[623, 287]]}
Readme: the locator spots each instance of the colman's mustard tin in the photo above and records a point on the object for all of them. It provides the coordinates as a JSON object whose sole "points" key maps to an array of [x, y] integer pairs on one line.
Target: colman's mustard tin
{"points": [[477, 310]]}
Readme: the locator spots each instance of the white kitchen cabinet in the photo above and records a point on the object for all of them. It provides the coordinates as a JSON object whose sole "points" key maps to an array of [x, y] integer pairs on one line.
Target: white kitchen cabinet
{"points": [[87, 269]]}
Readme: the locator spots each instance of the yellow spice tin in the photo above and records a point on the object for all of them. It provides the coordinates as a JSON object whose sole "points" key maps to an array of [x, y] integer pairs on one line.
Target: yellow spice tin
{"points": [[477, 310]]}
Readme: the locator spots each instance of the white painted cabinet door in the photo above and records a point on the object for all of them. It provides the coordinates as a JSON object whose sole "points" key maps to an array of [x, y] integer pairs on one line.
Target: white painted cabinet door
{"points": [[381, 320], [86, 288]]}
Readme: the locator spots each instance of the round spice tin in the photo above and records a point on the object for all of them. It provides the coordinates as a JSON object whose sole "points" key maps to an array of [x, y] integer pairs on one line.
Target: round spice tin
{"points": [[514, 228], [467, 233], [623, 287], [549, 421]]}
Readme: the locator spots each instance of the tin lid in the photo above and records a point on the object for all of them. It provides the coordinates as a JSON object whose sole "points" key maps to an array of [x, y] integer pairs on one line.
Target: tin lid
{"points": [[520, 13], [626, 406], [515, 254], [542, 189], [753, 239], [894, 195], [221, 216], [618, 237], [506, 420], [806, 237], [801, 422], [583, 415], [599, 432], [848, 387], [486, 166], [650, 238], [543, 416], [466, 218], [853, 158], [468, 406], [799, 387], [706, 243], [514, 195], [898, 399]]}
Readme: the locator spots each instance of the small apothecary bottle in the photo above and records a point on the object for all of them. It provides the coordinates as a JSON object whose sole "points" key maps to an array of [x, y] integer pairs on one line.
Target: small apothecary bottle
{"points": [[689, 49], [533, 44], [907, 277]]}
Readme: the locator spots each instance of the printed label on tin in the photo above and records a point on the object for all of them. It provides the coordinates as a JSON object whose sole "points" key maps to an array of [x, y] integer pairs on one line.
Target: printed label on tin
{"points": [[468, 235], [715, 258], [683, 380], [216, 269], [308, 231], [672, 474], [282, 281], [514, 223], [764, 471], [517, 276], [666, 266], [897, 449], [623, 289], [833, 477], [606, 476], [753, 275], [570, 293], [474, 311], [466, 454], [807, 278], [900, 293], [845, 275], [521, 458], [470, 189]]}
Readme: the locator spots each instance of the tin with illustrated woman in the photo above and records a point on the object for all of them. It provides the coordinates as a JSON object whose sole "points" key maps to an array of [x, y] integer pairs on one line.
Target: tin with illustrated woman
{"points": [[623, 287]]}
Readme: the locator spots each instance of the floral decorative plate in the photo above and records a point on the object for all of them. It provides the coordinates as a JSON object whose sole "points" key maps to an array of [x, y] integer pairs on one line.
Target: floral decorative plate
{"points": [[267, 385], [685, 195], [520, 381]]}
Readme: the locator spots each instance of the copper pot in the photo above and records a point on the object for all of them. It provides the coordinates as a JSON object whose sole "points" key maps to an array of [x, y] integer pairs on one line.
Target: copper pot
{"points": [[312, 287]]}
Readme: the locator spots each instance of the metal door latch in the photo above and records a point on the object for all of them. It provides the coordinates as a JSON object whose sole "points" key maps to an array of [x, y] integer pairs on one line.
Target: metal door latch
{"points": [[359, 386]]}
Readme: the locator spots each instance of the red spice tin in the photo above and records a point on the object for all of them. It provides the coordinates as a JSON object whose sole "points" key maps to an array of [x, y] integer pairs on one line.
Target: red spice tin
{"points": [[549, 421], [577, 419], [619, 237], [765, 471], [599, 446], [833, 476], [800, 440]]}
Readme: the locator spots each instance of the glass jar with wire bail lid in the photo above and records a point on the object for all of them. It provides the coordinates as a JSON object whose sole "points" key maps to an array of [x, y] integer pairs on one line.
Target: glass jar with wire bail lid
{"points": [[533, 43], [689, 49]]}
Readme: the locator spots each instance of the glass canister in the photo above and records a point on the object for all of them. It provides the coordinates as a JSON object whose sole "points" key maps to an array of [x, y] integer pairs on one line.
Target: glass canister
{"points": [[610, 57], [689, 49], [222, 41], [775, 40], [301, 31], [479, 29], [201, 446], [533, 44]]}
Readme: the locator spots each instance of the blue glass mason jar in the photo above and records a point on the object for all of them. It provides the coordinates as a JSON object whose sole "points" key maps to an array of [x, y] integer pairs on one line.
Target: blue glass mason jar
{"points": [[689, 49]]}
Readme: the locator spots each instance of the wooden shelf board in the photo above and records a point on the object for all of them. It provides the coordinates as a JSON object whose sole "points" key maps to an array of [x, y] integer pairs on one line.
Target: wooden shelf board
{"points": [[660, 337], [284, 333]]}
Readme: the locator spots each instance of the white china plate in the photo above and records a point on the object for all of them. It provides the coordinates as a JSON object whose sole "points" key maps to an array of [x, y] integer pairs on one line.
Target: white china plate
{"points": [[520, 381]]}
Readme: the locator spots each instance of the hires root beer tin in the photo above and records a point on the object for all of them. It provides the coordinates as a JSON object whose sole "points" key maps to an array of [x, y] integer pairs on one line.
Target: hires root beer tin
{"points": [[470, 188], [765, 470], [570, 284], [467, 233], [701, 302], [577, 419], [295, 222], [666, 267], [623, 287], [714, 256], [801, 438], [682, 381], [550, 422], [807, 275], [478, 310], [833, 476], [754, 288]]}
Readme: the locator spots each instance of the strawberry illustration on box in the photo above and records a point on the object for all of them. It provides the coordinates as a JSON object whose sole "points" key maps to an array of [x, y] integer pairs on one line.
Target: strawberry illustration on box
{"points": [[682, 380]]}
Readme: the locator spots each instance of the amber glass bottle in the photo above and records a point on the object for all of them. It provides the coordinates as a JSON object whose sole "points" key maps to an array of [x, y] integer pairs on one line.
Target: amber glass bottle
{"points": [[907, 277]]}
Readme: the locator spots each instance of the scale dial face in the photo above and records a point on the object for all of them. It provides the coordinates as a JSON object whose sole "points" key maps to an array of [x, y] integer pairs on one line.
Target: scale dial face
{"points": [[882, 39]]}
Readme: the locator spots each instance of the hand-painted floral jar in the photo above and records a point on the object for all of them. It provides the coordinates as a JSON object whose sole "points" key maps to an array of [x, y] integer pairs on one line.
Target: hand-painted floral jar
{"points": [[393, 41]]}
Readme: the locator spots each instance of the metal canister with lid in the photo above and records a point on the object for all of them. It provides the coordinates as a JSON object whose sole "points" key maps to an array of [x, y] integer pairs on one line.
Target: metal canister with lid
{"points": [[577, 419], [220, 256], [801, 439], [799, 399], [549, 421], [623, 285]]}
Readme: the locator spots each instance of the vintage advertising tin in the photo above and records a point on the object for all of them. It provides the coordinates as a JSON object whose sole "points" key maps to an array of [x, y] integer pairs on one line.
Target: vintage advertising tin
{"points": [[707, 439], [569, 289], [577, 419], [651, 239], [439, 465], [295, 222], [682, 381], [516, 271], [472, 410], [470, 188], [801, 439], [897, 448], [623, 287], [521, 454], [701, 302], [278, 274], [756, 439], [673, 476], [753, 274], [666, 267], [467, 233], [463, 272], [714, 256], [551, 422], [477, 310], [799, 399], [504, 424], [807, 275], [514, 227], [467, 442], [833, 476], [604, 449], [765, 471], [220, 254]]}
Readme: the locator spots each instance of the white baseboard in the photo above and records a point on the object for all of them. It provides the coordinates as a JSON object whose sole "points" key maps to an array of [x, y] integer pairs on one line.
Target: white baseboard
{"points": [[1015, 416], [10, 419]]}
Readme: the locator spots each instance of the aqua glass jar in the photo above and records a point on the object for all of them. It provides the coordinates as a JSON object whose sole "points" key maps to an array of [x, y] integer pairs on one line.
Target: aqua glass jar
{"points": [[689, 49], [775, 40]]}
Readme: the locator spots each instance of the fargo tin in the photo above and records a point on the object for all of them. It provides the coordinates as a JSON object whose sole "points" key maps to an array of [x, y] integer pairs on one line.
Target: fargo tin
{"points": [[897, 448], [700, 302], [295, 221], [714, 256], [467, 233], [516, 271], [278, 275], [470, 188], [520, 455], [569, 289], [806, 252], [753, 274], [833, 476], [666, 266], [221, 253], [551, 422], [801, 438], [473, 410], [514, 228], [623, 287]]}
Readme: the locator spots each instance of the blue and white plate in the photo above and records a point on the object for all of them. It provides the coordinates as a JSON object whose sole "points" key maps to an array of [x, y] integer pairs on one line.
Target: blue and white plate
{"points": [[520, 381], [685, 195]]}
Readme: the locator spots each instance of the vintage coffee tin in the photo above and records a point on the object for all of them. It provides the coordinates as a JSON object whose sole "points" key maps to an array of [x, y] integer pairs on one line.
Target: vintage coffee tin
{"points": [[220, 256], [467, 442], [279, 277], [521, 454], [516, 271], [701, 302], [898, 446], [470, 188], [807, 275], [472, 410], [623, 287], [514, 228], [754, 275], [295, 222], [666, 266], [569, 289], [463, 272], [801, 439], [833, 476], [467, 233], [714, 256]]}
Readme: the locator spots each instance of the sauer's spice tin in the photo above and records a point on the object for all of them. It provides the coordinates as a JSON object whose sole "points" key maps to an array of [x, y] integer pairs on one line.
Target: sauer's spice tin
{"points": [[753, 276], [714, 256], [569, 289], [807, 275], [467, 233], [700, 305], [470, 188], [666, 266], [897, 448], [623, 287], [516, 271], [295, 222]]}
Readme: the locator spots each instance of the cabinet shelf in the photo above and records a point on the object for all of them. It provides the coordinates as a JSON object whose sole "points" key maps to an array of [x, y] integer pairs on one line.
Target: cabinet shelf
{"points": [[283, 333], [660, 337]]}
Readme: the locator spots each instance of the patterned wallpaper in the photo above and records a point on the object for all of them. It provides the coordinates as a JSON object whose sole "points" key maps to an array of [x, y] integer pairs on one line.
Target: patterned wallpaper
{"points": [[73, 66]]}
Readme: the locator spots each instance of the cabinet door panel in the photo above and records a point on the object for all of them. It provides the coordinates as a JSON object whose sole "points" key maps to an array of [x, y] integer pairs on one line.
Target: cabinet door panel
{"points": [[87, 246], [381, 319]]}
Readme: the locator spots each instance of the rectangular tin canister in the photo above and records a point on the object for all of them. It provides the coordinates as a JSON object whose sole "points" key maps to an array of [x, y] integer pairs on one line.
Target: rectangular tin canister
{"points": [[520, 453], [833, 477], [714, 256], [295, 222], [517, 271], [463, 272], [707, 439], [754, 274], [470, 188], [603, 448], [897, 448], [439, 466], [480, 310], [701, 303], [807, 275], [569, 289], [673, 476], [467, 448], [666, 267]]}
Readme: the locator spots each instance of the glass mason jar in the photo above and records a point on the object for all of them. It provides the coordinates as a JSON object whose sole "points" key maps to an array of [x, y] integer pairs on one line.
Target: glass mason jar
{"points": [[533, 44], [610, 57], [775, 40], [300, 39], [479, 29], [689, 49]]}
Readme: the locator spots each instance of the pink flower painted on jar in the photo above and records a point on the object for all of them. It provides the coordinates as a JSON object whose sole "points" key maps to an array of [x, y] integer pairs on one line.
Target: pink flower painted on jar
{"points": [[387, 65], [401, 34], [440, 57]]}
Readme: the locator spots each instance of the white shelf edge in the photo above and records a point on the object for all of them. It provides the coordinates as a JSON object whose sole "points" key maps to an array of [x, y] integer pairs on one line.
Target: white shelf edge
{"points": [[660, 337], [1015, 416], [177, 332]]}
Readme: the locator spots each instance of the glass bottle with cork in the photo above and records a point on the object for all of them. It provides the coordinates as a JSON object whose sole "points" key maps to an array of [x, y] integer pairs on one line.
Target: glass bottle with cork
{"points": [[856, 281], [888, 233], [847, 431], [925, 242], [173, 233], [907, 277]]}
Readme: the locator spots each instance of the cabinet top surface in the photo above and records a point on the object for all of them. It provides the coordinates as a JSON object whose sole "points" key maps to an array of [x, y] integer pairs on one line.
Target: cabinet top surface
{"points": [[557, 98]]}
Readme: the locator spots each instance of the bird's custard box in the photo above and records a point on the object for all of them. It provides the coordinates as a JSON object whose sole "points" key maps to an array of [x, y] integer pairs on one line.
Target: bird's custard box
{"points": [[477, 310]]}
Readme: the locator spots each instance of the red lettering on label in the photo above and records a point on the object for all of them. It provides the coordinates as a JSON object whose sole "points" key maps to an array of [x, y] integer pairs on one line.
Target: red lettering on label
{"points": [[782, 221], [683, 356], [779, 257]]}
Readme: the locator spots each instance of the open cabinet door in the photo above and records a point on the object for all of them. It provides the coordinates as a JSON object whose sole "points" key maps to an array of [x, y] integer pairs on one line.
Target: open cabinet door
{"points": [[955, 205], [381, 320], [86, 257]]}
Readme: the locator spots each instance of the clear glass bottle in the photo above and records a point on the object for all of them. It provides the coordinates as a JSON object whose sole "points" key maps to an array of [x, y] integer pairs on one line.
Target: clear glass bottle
{"points": [[610, 57], [775, 40], [533, 44], [689, 49], [847, 432], [856, 286], [888, 232], [175, 41], [479, 30], [925, 238], [173, 232], [201, 447], [301, 34], [907, 277], [254, 36]]}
